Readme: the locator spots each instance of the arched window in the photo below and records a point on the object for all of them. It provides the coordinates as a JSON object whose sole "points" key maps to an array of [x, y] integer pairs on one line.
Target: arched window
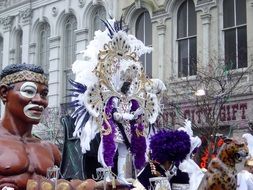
{"points": [[70, 26], [43, 46], [19, 42], [100, 13], [187, 39], [144, 33], [235, 34]]}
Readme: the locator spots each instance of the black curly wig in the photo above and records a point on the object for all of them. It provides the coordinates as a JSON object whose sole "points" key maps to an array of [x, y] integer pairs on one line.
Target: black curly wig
{"points": [[13, 68]]}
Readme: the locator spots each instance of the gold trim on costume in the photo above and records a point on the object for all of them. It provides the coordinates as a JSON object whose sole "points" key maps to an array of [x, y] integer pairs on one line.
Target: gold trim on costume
{"points": [[139, 133], [107, 131], [24, 76]]}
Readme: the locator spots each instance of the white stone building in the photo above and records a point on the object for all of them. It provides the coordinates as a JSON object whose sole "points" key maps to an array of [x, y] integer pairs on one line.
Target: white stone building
{"points": [[52, 33]]}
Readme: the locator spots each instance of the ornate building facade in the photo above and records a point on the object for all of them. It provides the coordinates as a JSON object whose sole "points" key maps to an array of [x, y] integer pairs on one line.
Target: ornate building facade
{"points": [[52, 33]]}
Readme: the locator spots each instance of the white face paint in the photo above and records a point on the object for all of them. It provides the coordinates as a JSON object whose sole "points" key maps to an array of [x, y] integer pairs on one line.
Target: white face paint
{"points": [[28, 89], [33, 111]]}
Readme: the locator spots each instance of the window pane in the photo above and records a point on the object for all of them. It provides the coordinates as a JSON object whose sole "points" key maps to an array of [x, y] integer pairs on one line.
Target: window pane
{"points": [[69, 75], [181, 20], [193, 56], [140, 27], [19, 47], [191, 19], [144, 33], [242, 47], [240, 12], [99, 14], [230, 49], [148, 29], [228, 11], [69, 49], [44, 47], [183, 58], [70, 44]]}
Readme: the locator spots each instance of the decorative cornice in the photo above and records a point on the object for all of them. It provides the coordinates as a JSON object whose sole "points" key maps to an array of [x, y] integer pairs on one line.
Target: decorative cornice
{"points": [[81, 3], [25, 15], [160, 19], [161, 29], [7, 22], [206, 7], [95, 2], [206, 18], [7, 4]]}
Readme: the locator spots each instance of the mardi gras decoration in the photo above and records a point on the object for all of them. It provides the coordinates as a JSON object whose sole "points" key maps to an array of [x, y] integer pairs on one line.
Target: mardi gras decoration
{"points": [[221, 172], [112, 96]]}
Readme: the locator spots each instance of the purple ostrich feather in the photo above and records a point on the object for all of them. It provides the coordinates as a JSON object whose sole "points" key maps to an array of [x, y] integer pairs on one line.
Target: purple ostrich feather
{"points": [[108, 140], [138, 142]]}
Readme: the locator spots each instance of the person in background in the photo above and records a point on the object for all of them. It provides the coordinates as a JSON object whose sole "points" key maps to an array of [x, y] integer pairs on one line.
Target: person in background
{"points": [[245, 177], [168, 149]]}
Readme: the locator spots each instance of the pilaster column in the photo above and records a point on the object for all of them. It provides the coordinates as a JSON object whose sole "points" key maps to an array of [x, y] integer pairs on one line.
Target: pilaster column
{"points": [[161, 29], [81, 41], [7, 23], [206, 19], [54, 95], [25, 17]]}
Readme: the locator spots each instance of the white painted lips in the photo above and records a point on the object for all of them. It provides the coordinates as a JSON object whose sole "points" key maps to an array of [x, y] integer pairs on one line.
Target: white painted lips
{"points": [[33, 111]]}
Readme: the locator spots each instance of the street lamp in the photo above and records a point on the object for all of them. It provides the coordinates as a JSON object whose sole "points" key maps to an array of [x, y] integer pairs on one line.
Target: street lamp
{"points": [[200, 92]]}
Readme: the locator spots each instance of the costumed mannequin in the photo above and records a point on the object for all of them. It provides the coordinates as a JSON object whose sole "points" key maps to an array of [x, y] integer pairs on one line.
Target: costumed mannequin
{"points": [[110, 97], [23, 157], [168, 149], [189, 165], [23, 90]]}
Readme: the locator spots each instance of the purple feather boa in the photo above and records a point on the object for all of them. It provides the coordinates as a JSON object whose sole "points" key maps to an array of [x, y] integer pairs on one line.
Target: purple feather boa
{"points": [[138, 146], [138, 142], [108, 140]]}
